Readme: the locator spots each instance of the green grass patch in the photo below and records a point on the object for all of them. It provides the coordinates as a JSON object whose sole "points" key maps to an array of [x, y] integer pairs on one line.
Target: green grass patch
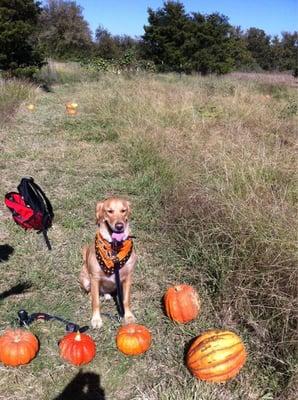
{"points": [[90, 129]]}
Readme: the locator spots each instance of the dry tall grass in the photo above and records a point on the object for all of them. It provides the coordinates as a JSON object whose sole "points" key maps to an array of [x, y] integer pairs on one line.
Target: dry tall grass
{"points": [[277, 78], [61, 72], [228, 199], [12, 94], [220, 158]]}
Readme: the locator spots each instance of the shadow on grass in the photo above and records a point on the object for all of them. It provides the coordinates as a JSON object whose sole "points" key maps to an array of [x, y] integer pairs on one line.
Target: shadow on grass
{"points": [[47, 88], [186, 349], [162, 306], [5, 252], [15, 290], [84, 386]]}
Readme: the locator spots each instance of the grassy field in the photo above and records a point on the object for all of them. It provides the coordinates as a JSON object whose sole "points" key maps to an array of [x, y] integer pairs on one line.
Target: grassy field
{"points": [[209, 166]]}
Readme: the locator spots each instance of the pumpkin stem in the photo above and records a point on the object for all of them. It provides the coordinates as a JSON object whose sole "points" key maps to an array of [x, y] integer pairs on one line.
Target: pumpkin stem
{"points": [[17, 338], [78, 336]]}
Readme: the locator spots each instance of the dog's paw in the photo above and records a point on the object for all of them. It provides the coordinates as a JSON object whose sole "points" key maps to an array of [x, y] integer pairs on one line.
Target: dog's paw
{"points": [[107, 296], [129, 318], [96, 322]]}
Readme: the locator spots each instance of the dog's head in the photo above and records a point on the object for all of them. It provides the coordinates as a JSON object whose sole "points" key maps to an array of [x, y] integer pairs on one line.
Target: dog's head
{"points": [[115, 212]]}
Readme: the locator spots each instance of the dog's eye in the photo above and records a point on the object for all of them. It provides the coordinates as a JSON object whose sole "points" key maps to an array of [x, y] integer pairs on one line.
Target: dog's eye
{"points": [[123, 210], [110, 211]]}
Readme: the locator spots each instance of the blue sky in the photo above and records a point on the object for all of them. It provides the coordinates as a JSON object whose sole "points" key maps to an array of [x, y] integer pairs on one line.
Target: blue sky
{"points": [[129, 16]]}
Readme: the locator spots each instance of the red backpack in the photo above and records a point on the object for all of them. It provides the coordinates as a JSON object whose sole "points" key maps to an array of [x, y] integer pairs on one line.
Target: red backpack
{"points": [[30, 207]]}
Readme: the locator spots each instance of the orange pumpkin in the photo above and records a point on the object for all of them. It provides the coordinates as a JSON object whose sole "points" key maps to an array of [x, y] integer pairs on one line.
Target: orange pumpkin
{"points": [[182, 303], [31, 107], [216, 356], [77, 348], [18, 347], [71, 108], [133, 339]]}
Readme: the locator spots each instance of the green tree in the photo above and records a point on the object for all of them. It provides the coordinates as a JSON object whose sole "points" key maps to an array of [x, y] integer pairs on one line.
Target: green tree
{"points": [[165, 37], [276, 53], [121, 48], [289, 51], [177, 41], [214, 46], [110, 46], [18, 44], [64, 33], [258, 43], [128, 45], [105, 45], [242, 57], [284, 51]]}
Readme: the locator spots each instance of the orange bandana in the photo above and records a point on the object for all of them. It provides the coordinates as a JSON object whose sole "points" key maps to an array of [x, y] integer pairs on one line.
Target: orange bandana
{"points": [[105, 257]]}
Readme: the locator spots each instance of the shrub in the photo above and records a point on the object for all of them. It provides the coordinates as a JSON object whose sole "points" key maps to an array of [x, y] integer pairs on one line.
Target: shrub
{"points": [[12, 93]]}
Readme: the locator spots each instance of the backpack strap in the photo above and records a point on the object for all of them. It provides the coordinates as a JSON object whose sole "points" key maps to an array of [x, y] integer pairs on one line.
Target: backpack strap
{"points": [[46, 239], [35, 197]]}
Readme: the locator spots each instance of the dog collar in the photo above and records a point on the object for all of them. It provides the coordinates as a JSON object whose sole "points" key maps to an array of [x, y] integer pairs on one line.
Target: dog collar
{"points": [[107, 258]]}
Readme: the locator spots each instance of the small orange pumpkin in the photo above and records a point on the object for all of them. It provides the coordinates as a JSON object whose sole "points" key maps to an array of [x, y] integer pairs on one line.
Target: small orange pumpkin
{"points": [[216, 356], [31, 107], [18, 347], [133, 339], [77, 348], [182, 303], [71, 108]]}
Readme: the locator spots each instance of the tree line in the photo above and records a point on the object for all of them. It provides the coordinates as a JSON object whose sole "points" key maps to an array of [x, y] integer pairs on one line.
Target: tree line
{"points": [[173, 40]]}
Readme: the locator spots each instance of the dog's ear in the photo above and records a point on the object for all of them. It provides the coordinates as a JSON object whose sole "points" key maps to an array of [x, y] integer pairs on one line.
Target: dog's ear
{"points": [[99, 212], [128, 204]]}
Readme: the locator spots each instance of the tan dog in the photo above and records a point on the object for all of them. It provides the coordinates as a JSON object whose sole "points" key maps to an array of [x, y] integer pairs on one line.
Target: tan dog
{"points": [[97, 275]]}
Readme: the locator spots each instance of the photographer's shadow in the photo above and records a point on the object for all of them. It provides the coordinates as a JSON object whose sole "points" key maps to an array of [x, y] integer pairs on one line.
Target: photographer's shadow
{"points": [[84, 386]]}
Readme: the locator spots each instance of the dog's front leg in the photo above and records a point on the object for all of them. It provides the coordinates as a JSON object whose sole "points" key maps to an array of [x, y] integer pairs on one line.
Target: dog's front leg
{"points": [[128, 315], [96, 320]]}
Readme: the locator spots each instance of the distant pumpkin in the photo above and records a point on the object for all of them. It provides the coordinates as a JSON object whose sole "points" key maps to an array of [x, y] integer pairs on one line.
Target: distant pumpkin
{"points": [[71, 108], [216, 356], [133, 339], [31, 107], [182, 303], [77, 348], [18, 347]]}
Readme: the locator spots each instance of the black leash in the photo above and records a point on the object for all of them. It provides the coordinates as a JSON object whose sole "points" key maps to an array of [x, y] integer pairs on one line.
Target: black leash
{"points": [[26, 319], [46, 239], [119, 292]]}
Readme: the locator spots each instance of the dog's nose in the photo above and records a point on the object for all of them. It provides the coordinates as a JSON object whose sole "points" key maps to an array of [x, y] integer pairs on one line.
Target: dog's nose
{"points": [[119, 226]]}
